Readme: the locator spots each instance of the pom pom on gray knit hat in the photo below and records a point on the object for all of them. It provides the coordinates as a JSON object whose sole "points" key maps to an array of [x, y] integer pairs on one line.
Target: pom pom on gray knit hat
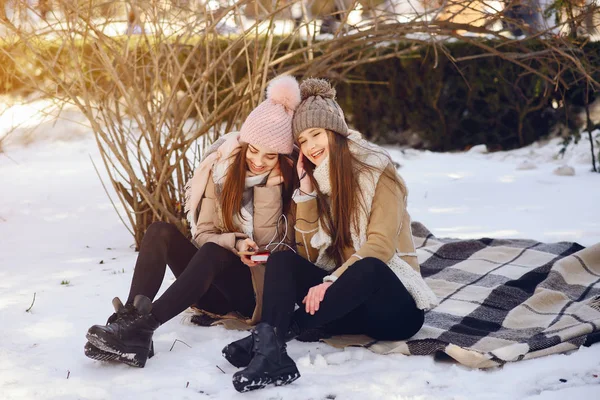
{"points": [[270, 123], [317, 87], [318, 109]]}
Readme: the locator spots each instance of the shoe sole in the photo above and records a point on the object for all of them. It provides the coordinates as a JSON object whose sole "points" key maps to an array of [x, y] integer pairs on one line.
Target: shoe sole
{"points": [[130, 355], [242, 384], [95, 353]]}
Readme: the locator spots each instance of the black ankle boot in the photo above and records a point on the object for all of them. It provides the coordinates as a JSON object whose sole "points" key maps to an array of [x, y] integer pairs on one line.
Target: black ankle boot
{"points": [[95, 353], [240, 353], [270, 363], [129, 337], [121, 311]]}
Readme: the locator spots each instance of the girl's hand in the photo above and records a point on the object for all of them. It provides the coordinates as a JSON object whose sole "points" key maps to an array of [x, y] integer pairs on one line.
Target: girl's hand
{"points": [[275, 178], [246, 245], [306, 186], [315, 297]]}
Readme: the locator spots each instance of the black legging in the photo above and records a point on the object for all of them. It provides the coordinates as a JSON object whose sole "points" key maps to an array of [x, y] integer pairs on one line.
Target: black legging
{"points": [[368, 298], [211, 277]]}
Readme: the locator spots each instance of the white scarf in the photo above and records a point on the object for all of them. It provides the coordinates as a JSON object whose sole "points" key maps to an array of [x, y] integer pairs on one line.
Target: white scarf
{"points": [[379, 159]]}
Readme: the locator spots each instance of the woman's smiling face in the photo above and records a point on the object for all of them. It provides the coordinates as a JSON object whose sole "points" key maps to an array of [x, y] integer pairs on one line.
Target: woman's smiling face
{"points": [[260, 159], [314, 144]]}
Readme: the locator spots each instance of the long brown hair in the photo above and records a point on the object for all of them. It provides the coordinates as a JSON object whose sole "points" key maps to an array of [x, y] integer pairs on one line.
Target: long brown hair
{"points": [[341, 212], [235, 184]]}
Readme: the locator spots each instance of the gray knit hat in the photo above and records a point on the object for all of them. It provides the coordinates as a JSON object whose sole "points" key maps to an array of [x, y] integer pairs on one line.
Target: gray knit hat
{"points": [[318, 109]]}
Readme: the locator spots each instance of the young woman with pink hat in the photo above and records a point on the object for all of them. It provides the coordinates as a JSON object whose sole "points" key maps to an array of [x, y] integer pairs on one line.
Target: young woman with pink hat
{"points": [[234, 203]]}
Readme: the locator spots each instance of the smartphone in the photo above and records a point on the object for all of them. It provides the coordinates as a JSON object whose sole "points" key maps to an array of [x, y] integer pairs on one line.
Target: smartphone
{"points": [[260, 256]]}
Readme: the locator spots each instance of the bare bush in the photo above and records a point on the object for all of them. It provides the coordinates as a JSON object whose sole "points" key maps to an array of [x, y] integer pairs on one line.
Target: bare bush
{"points": [[158, 80]]}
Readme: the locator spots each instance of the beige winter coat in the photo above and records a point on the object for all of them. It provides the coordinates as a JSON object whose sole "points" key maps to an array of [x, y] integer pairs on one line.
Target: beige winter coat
{"points": [[383, 236], [267, 210]]}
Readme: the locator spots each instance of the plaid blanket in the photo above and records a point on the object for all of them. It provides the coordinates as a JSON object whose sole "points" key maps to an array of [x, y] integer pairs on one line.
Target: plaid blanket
{"points": [[501, 300]]}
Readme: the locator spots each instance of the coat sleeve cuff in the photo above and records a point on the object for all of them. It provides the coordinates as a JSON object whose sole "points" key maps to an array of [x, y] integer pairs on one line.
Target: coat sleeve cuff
{"points": [[301, 197]]}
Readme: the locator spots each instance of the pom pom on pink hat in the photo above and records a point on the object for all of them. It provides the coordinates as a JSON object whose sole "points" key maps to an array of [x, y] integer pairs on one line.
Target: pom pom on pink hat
{"points": [[270, 123]]}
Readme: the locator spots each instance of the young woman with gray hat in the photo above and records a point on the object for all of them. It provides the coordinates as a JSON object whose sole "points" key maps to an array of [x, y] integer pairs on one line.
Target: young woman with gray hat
{"points": [[356, 270], [234, 201]]}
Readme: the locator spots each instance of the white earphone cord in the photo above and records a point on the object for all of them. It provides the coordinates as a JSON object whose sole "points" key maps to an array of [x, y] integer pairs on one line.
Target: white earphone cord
{"points": [[281, 242]]}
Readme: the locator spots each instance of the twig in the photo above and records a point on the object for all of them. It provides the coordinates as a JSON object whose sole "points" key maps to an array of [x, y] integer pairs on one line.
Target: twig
{"points": [[187, 385], [31, 306], [589, 125], [220, 369], [177, 340], [68, 374], [9, 157]]}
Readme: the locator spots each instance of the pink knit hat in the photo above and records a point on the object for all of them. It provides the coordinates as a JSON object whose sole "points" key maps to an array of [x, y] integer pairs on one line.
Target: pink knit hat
{"points": [[270, 124]]}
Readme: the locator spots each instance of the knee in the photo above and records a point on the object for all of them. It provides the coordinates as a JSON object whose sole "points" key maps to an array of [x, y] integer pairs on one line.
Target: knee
{"points": [[282, 259], [370, 267], [211, 250], [281, 262], [371, 272], [160, 232], [374, 264]]}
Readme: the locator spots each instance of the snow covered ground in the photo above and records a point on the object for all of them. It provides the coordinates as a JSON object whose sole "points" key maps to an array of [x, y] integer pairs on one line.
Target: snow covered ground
{"points": [[62, 241]]}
